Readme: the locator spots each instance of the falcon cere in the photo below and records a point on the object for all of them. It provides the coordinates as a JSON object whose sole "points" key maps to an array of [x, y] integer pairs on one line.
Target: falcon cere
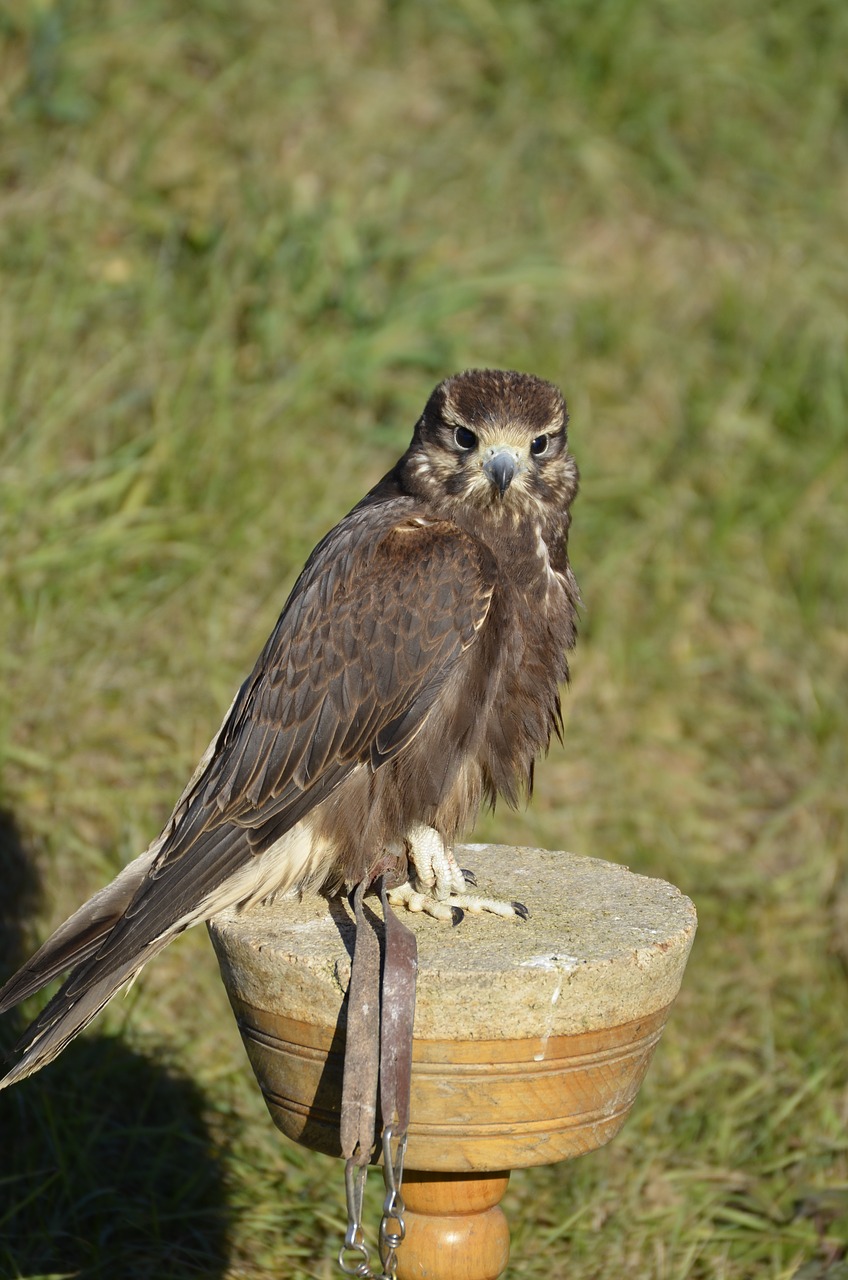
{"points": [[413, 674]]}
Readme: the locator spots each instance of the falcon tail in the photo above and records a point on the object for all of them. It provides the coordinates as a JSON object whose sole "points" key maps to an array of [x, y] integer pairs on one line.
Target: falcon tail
{"points": [[73, 944], [67, 1014], [78, 938], [110, 939]]}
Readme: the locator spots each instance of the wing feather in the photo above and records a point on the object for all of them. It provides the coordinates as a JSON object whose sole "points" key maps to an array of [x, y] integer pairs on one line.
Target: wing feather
{"points": [[352, 654], [380, 616]]}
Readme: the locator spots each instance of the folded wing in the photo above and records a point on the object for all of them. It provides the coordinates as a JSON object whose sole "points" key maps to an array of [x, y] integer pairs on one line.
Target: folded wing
{"points": [[376, 623]]}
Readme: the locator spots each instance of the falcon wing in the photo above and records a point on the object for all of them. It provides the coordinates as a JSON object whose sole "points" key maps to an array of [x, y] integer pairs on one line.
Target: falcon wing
{"points": [[369, 635], [374, 626]]}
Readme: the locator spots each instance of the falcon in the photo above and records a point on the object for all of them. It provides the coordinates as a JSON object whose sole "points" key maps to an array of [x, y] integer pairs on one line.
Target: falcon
{"points": [[413, 674]]}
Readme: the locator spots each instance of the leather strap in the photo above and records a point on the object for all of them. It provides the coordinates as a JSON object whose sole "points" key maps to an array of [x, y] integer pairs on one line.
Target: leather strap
{"points": [[380, 1016], [397, 1014], [362, 1043]]}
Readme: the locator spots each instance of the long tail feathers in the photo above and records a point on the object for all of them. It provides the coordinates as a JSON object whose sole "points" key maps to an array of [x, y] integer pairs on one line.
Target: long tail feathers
{"points": [[77, 942], [74, 946], [64, 1017], [78, 938], [109, 939]]}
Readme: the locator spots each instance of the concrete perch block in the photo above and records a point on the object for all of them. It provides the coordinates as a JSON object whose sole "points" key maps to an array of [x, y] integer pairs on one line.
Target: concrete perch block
{"points": [[531, 1038]]}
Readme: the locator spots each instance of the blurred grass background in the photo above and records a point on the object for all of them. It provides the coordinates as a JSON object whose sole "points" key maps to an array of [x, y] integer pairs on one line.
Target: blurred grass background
{"points": [[238, 246]]}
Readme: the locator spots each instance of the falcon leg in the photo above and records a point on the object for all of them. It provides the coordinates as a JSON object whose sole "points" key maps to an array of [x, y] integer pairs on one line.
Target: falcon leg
{"points": [[437, 884]]}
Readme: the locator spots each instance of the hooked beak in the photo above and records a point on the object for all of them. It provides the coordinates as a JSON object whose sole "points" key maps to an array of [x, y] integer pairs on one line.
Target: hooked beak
{"points": [[500, 467]]}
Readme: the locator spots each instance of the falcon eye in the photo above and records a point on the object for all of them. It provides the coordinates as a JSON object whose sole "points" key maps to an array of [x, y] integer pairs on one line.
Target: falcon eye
{"points": [[464, 438], [539, 445]]}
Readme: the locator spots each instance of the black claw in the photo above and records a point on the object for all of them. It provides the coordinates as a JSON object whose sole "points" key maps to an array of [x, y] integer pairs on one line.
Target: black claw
{"points": [[520, 910], [469, 877], [458, 915]]}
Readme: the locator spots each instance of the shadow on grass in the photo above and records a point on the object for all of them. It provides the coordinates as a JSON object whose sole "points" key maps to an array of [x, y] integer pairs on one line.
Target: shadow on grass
{"points": [[108, 1167]]}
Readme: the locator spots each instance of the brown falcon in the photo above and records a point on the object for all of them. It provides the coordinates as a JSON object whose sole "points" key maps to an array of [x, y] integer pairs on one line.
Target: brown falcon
{"points": [[412, 674]]}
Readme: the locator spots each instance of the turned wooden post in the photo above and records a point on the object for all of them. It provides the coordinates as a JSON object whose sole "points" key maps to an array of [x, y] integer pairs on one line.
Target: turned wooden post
{"points": [[455, 1226], [531, 1038]]}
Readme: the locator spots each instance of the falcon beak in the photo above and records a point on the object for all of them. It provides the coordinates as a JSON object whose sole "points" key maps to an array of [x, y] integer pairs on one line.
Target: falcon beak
{"points": [[500, 466]]}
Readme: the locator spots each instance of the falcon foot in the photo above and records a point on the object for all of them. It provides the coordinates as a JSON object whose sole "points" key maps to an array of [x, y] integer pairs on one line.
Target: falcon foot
{"points": [[439, 887], [454, 907]]}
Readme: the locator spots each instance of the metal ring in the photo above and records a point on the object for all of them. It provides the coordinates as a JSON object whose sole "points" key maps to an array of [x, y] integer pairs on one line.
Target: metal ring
{"points": [[361, 1268]]}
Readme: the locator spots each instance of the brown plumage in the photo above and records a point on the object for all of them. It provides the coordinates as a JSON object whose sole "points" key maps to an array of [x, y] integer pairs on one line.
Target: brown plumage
{"points": [[413, 673]]}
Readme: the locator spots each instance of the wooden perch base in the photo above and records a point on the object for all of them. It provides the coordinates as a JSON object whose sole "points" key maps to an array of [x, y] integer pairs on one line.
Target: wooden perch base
{"points": [[531, 1038]]}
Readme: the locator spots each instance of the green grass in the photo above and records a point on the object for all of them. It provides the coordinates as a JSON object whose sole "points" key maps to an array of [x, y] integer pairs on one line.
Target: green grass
{"points": [[238, 246]]}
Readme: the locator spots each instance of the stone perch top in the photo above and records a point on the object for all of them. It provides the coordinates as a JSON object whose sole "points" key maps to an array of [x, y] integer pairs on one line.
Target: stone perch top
{"points": [[602, 947]]}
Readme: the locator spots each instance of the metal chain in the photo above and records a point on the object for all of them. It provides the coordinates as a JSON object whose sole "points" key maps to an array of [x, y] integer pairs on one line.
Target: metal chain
{"points": [[354, 1240], [393, 1211], [393, 1206]]}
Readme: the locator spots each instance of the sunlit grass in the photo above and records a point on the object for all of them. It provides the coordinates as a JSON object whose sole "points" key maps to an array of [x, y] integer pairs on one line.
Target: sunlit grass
{"points": [[238, 245]]}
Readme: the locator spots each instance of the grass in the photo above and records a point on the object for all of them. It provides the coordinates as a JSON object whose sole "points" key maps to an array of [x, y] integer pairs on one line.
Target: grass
{"points": [[238, 245]]}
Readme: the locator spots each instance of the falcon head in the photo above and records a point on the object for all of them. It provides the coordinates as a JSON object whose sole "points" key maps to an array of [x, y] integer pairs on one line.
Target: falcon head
{"points": [[494, 441]]}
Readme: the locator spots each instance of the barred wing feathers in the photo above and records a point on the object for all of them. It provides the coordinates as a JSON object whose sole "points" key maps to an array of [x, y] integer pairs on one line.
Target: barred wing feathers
{"points": [[377, 621]]}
